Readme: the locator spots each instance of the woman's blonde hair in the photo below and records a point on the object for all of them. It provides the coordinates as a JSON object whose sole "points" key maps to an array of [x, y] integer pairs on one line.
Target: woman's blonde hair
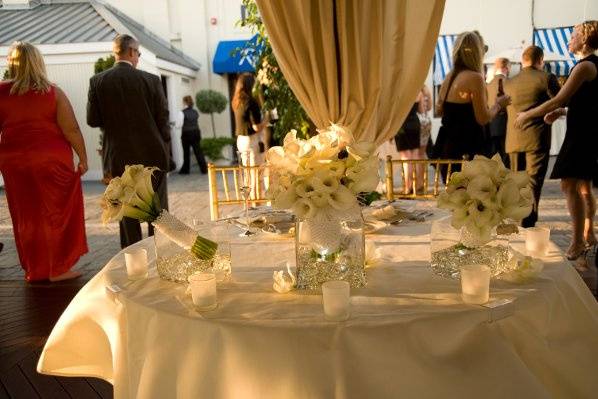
{"points": [[589, 34], [26, 69], [467, 52]]}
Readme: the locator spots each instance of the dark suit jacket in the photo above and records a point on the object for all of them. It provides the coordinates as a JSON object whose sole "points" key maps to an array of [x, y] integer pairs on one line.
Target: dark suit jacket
{"points": [[529, 89], [130, 107], [498, 125]]}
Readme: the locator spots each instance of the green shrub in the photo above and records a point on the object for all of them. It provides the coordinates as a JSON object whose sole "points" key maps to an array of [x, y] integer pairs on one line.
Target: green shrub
{"points": [[210, 102], [5, 75], [212, 147], [102, 64]]}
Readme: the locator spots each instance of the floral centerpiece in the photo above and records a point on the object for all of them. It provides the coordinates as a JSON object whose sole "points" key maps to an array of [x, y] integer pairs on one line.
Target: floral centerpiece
{"points": [[482, 197], [319, 179], [132, 195]]}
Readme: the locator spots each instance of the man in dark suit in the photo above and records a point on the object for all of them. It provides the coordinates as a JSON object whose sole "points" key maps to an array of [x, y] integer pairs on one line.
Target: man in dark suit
{"points": [[529, 147], [498, 126], [130, 107]]}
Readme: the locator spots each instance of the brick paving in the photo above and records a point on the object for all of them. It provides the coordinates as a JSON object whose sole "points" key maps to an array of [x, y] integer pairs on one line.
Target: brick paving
{"points": [[188, 197]]}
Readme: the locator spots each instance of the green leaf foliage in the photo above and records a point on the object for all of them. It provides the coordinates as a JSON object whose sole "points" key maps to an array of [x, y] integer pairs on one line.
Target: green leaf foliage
{"points": [[212, 147], [103, 64], [5, 75], [276, 91], [210, 101]]}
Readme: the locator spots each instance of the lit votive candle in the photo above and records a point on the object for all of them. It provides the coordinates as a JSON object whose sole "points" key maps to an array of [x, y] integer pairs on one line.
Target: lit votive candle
{"points": [[203, 290], [536, 241], [475, 284], [136, 263], [336, 300]]}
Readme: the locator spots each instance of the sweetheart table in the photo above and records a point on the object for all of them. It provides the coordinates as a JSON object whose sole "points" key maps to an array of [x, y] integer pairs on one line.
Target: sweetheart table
{"points": [[409, 334]]}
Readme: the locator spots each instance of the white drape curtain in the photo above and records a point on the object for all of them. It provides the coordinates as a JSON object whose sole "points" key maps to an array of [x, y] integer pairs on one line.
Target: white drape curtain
{"points": [[358, 63]]}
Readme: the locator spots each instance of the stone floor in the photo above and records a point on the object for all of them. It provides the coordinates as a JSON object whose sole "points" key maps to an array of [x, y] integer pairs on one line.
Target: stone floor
{"points": [[188, 196]]}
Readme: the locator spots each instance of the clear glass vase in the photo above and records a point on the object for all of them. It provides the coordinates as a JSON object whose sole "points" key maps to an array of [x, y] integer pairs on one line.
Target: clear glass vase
{"points": [[451, 248], [330, 248], [174, 263]]}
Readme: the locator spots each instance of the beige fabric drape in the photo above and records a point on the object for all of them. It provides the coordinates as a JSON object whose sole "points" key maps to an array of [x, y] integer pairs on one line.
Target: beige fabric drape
{"points": [[354, 62]]}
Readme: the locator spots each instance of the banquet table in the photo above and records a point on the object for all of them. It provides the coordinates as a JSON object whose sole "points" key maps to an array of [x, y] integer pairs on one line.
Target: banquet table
{"points": [[409, 334]]}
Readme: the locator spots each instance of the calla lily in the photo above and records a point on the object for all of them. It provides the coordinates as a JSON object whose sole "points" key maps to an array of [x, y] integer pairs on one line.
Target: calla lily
{"points": [[453, 201], [481, 215], [459, 218], [520, 178], [345, 138], [361, 150], [304, 208], [285, 199], [305, 188], [342, 199], [115, 189], [321, 199], [481, 188], [325, 184]]}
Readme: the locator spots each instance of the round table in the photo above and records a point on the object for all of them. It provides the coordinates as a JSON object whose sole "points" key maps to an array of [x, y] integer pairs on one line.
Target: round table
{"points": [[409, 334]]}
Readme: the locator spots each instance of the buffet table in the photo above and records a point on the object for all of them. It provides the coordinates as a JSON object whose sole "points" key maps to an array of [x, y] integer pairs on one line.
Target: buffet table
{"points": [[409, 334]]}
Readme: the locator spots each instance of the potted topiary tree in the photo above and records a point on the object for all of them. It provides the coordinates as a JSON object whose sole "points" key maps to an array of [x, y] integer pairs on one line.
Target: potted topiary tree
{"points": [[210, 102]]}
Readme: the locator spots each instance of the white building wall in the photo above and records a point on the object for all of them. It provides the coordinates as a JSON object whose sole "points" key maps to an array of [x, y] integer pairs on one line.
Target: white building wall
{"points": [[196, 27], [74, 80]]}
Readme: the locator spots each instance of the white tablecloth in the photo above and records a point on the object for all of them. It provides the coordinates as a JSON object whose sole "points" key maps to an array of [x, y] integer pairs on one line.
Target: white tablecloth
{"points": [[409, 335]]}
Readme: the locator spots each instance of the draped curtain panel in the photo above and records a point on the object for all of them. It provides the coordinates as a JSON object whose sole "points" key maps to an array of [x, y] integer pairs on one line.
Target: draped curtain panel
{"points": [[353, 62]]}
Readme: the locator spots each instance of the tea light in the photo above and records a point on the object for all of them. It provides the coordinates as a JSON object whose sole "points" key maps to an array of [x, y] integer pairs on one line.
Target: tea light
{"points": [[475, 284], [335, 298], [136, 263], [536, 241], [203, 290]]}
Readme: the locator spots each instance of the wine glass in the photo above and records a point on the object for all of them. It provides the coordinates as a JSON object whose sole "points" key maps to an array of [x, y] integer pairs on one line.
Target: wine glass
{"points": [[245, 161]]}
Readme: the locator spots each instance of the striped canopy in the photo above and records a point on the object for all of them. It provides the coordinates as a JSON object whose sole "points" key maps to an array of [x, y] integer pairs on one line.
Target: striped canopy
{"points": [[555, 40], [443, 57]]}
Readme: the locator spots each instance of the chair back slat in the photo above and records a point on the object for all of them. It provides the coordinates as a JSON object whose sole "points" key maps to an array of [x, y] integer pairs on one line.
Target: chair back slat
{"points": [[421, 186], [220, 179]]}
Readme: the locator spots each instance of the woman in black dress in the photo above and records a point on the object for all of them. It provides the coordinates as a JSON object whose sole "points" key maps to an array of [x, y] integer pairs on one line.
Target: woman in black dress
{"points": [[576, 164], [463, 104], [407, 142]]}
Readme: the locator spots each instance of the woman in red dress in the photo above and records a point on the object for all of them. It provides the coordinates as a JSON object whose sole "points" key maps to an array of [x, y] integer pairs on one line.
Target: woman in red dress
{"points": [[43, 188]]}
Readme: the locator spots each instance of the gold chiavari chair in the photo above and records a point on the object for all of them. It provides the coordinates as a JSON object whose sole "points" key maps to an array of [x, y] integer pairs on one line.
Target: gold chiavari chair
{"points": [[436, 173], [225, 186]]}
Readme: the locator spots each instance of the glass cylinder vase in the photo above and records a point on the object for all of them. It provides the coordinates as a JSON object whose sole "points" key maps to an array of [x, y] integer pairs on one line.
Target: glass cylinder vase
{"points": [[174, 263], [451, 248], [330, 248]]}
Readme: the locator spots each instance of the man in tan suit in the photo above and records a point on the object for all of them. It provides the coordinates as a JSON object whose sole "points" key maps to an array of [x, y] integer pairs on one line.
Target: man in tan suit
{"points": [[498, 126], [529, 146]]}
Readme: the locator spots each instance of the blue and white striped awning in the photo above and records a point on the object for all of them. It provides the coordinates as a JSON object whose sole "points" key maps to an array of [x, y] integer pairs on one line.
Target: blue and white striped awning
{"points": [[443, 57], [556, 40]]}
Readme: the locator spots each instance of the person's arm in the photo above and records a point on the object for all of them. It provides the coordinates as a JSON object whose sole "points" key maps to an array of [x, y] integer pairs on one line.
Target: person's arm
{"points": [[94, 117], [584, 71], [65, 116], [552, 116], [255, 115], [442, 95], [479, 100], [161, 110]]}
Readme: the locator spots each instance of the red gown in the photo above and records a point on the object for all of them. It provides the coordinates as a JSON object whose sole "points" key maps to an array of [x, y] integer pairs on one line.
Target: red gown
{"points": [[42, 187]]}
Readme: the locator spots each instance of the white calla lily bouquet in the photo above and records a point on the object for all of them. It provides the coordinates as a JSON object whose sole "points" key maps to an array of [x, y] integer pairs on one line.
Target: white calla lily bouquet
{"points": [[132, 195], [484, 194], [323, 175]]}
